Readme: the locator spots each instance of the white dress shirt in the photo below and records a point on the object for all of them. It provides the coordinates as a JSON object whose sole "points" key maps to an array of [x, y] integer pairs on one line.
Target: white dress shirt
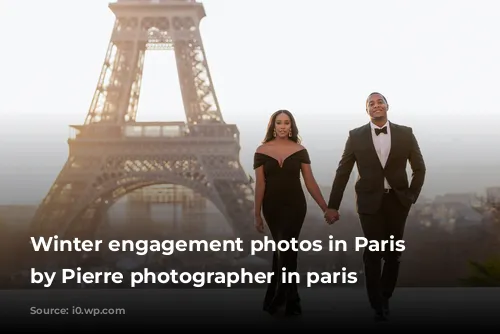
{"points": [[382, 144]]}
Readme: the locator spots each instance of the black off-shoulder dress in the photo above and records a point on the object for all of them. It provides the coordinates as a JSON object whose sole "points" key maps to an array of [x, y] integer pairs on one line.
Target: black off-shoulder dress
{"points": [[284, 208]]}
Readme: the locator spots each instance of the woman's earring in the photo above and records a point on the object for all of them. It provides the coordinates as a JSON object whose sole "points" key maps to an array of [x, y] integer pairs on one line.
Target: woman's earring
{"points": [[290, 133], [274, 132]]}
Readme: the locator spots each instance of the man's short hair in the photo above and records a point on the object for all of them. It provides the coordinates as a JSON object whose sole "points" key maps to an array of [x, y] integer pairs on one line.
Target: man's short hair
{"points": [[385, 100]]}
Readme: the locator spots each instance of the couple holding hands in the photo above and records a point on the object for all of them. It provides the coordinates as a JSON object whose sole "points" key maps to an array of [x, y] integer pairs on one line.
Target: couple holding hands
{"points": [[384, 196]]}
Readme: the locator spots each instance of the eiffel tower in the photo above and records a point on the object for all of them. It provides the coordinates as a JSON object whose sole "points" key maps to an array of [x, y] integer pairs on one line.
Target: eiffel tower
{"points": [[112, 154]]}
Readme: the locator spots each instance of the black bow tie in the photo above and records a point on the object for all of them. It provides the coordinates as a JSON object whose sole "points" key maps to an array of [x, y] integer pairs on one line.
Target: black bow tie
{"points": [[379, 131]]}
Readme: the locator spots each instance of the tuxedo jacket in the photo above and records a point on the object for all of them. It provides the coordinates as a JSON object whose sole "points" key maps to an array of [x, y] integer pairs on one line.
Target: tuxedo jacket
{"points": [[369, 187]]}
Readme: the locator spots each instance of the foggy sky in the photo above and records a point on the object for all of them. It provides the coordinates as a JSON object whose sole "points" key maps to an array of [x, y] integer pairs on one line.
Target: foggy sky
{"points": [[436, 62]]}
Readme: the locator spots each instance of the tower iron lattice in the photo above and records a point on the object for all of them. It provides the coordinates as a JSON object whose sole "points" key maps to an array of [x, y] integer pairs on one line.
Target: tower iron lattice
{"points": [[112, 154]]}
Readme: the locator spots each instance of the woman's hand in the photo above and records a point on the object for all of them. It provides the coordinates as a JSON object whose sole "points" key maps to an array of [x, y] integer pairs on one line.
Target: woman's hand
{"points": [[259, 224]]}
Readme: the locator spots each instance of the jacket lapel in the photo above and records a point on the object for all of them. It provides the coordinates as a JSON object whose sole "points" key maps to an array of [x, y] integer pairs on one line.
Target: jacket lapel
{"points": [[368, 135], [394, 142]]}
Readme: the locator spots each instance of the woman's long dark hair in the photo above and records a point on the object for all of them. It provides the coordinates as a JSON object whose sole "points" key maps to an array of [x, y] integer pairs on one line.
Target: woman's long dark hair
{"points": [[272, 124]]}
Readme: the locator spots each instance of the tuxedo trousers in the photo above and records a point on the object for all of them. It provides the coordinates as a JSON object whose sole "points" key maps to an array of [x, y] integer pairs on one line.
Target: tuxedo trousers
{"points": [[381, 268]]}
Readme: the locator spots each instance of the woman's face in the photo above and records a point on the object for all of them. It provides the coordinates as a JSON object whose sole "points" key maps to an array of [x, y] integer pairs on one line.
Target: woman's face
{"points": [[282, 125]]}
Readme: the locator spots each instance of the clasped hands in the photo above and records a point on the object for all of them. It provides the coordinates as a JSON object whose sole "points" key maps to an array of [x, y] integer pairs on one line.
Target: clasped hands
{"points": [[331, 216]]}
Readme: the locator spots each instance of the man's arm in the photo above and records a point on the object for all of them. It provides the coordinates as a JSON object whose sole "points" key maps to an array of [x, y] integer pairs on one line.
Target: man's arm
{"points": [[418, 167], [344, 170]]}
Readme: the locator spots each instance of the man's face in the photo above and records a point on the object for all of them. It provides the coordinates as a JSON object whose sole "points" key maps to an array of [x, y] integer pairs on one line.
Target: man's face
{"points": [[376, 107]]}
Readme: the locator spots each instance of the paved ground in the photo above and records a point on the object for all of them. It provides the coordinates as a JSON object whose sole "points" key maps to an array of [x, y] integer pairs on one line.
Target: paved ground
{"points": [[239, 309]]}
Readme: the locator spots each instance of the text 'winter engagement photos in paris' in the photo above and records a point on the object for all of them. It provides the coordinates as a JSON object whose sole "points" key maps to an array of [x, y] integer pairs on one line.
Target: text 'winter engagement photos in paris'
{"points": [[199, 279]]}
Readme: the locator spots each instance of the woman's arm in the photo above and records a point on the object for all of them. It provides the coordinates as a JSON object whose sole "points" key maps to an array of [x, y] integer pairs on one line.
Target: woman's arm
{"points": [[260, 187], [312, 186]]}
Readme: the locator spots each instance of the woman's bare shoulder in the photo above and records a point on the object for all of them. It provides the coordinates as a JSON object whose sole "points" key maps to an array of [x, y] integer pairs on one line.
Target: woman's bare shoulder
{"points": [[263, 148], [299, 147]]}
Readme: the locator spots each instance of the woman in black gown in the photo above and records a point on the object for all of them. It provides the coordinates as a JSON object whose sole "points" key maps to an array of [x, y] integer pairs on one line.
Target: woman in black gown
{"points": [[278, 163]]}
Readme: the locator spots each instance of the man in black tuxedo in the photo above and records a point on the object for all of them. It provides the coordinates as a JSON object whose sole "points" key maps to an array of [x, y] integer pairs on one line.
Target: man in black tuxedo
{"points": [[381, 150]]}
